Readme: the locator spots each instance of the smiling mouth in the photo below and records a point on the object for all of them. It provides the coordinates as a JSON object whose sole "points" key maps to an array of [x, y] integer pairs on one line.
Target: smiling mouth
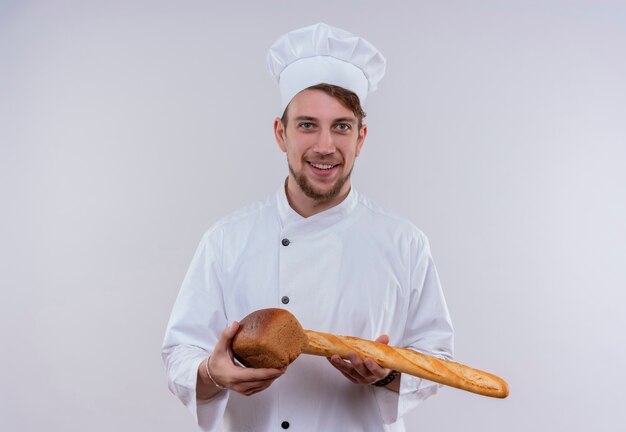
{"points": [[320, 166]]}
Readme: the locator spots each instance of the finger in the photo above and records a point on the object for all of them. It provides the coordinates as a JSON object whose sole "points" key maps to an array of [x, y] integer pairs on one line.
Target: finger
{"points": [[261, 374], [241, 383], [375, 369], [359, 366], [252, 388], [372, 366], [344, 367], [369, 371], [247, 390], [338, 363], [220, 361], [384, 339], [262, 386], [350, 377]]}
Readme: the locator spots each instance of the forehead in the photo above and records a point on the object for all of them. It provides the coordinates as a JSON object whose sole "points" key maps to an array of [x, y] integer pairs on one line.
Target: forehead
{"points": [[318, 104]]}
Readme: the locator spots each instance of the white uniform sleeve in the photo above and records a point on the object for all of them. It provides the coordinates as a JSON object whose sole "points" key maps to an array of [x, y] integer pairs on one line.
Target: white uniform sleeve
{"points": [[194, 327], [428, 329]]}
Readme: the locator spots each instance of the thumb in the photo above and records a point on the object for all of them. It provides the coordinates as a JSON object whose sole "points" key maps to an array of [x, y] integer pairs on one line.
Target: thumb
{"points": [[231, 330], [223, 343], [383, 339]]}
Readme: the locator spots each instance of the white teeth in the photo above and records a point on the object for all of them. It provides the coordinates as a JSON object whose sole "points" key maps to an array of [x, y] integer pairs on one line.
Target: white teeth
{"points": [[321, 166]]}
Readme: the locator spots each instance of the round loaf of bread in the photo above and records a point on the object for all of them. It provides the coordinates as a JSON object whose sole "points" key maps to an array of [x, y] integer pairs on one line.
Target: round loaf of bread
{"points": [[269, 338]]}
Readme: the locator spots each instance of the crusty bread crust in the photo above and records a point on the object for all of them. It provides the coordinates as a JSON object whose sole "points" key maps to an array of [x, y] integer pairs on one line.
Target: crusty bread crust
{"points": [[269, 338]]}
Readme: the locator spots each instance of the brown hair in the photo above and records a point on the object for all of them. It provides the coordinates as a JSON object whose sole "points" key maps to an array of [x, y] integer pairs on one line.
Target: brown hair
{"points": [[346, 97]]}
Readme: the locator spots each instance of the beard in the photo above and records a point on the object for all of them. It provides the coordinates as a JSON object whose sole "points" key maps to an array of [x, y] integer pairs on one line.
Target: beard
{"points": [[317, 195]]}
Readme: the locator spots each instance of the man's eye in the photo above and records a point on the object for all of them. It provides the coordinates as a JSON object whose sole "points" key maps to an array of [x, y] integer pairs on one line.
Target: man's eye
{"points": [[306, 125], [344, 127]]}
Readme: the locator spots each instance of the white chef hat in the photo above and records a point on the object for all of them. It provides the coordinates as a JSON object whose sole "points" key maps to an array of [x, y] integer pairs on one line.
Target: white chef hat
{"points": [[323, 54]]}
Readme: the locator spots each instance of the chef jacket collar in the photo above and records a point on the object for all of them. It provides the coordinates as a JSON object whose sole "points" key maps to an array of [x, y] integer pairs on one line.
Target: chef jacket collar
{"points": [[294, 223]]}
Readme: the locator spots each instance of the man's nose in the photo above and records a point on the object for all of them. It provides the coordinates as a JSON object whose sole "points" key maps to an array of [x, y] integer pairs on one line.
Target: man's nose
{"points": [[325, 143]]}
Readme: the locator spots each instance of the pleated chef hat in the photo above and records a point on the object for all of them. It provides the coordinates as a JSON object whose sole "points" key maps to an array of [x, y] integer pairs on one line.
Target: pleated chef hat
{"points": [[324, 54]]}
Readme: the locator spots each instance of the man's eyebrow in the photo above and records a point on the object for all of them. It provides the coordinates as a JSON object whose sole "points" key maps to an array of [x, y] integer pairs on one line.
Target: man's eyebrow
{"points": [[350, 120], [305, 118]]}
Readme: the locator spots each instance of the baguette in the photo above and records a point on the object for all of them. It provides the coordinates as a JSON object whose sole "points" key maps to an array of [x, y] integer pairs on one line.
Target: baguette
{"points": [[409, 361]]}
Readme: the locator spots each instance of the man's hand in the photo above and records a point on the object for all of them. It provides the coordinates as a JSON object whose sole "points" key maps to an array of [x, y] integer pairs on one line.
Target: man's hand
{"points": [[224, 371], [364, 371]]}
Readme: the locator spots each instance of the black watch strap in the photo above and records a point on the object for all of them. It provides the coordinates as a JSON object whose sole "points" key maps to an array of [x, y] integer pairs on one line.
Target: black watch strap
{"points": [[388, 379]]}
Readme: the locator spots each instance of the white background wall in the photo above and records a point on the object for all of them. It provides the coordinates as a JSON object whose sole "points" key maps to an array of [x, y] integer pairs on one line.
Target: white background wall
{"points": [[128, 127]]}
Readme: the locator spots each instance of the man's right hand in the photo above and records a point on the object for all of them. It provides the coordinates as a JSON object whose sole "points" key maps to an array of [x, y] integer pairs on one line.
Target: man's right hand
{"points": [[225, 372]]}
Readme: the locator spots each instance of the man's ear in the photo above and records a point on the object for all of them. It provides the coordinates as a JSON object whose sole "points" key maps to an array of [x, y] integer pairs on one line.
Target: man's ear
{"points": [[361, 139], [279, 134]]}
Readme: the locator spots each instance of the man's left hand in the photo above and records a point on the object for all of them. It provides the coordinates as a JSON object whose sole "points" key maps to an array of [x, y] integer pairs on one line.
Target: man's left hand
{"points": [[362, 371]]}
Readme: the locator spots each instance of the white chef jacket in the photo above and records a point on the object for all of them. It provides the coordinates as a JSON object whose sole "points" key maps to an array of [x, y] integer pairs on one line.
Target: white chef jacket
{"points": [[351, 270]]}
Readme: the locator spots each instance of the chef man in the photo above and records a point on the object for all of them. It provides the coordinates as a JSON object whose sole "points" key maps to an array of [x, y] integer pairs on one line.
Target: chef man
{"points": [[319, 249]]}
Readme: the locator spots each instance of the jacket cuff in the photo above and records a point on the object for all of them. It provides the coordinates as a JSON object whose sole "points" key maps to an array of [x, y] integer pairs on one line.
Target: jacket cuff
{"points": [[394, 405], [208, 414]]}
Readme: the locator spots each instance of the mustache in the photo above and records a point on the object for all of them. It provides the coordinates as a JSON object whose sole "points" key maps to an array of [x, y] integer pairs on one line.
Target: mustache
{"points": [[331, 160]]}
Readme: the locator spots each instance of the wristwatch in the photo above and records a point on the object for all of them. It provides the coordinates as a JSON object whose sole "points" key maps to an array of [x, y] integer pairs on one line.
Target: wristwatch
{"points": [[388, 379]]}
